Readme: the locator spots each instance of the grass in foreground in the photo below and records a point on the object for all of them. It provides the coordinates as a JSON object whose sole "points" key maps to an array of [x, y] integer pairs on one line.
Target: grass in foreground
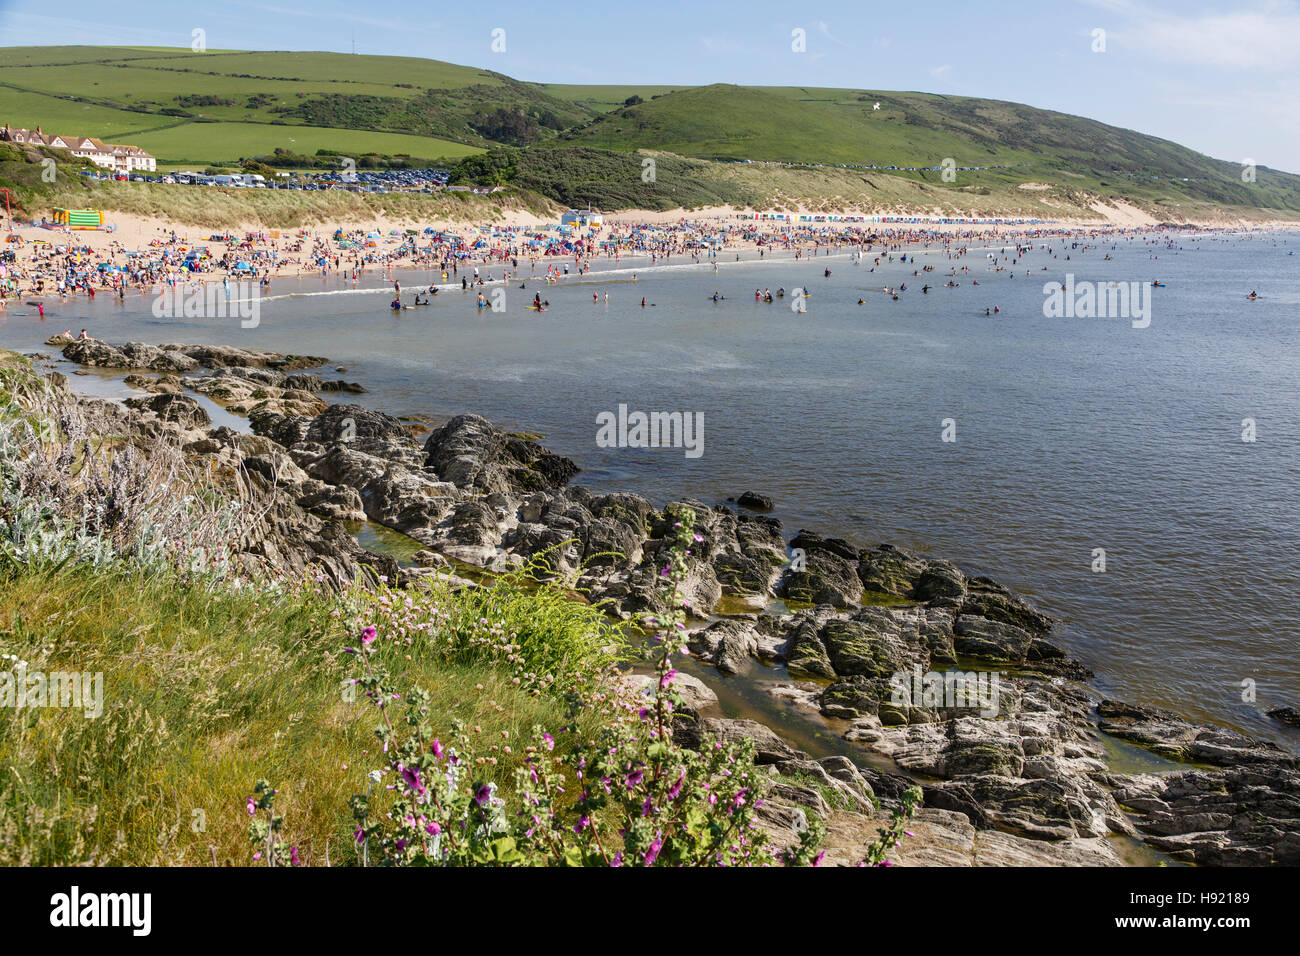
{"points": [[203, 693]]}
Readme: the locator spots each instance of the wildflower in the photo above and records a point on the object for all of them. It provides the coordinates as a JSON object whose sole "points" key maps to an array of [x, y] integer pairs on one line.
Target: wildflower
{"points": [[293, 856], [360, 834], [252, 807], [667, 678], [550, 741], [676, 788], [436, 748], [655, 846], [412, 778], [634, 778], [582, 824], [433, 829], [483, 794], [368, 635]]}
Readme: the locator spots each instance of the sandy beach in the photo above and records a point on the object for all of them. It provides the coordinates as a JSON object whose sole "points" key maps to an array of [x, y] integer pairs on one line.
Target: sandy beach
{"points": [[142, 251]]}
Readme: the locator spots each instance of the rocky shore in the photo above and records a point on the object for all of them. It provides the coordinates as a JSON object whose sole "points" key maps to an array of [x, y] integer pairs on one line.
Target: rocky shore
{"points": [[1019, 778]]}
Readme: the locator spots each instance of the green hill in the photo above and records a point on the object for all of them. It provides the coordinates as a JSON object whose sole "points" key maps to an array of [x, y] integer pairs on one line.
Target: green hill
{"points": [[798, 146], [919, 130], [168, 100]]}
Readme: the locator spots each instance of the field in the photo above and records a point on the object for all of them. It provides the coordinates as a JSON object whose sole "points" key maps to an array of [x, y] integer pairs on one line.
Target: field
{"points": [[221, 106], [226, 142]]}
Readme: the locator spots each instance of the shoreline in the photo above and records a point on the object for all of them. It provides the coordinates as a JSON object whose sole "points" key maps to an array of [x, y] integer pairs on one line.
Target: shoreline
{"points": [[101, 258]]}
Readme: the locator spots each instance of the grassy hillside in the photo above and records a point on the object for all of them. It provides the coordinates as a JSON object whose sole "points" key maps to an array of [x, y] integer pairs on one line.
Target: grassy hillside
{"points": [[921, 130], [222, 106], [604, 99], [167, 101]]}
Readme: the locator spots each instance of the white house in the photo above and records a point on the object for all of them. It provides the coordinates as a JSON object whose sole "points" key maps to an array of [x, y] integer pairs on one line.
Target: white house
{"points": [[121, 159]]}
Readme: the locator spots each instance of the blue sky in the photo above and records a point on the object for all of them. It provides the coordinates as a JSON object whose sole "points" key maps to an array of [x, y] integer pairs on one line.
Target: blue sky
{"points": [[1221, 77]]}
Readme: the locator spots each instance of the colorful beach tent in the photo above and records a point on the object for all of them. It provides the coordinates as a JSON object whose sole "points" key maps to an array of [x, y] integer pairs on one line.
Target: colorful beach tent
{"points": [[79, 218]]}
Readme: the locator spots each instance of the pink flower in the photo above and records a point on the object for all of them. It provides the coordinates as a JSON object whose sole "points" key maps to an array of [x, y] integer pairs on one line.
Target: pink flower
{"points": [[653, 853], [412, 778], [676, 788], [667, 678], [252, 807], [550, 741], [436, 748]]}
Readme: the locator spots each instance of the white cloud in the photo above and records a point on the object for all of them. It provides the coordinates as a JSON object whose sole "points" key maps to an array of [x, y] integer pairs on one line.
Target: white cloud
{"points": [[825, 31], [1263, 37]]}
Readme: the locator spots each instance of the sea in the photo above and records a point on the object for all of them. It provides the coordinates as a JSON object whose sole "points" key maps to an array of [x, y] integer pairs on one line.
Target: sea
{"points": [[1137, 476]]}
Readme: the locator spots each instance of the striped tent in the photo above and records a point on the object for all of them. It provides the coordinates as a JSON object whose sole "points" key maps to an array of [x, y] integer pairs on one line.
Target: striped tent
{"points": [[79, 218]]}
